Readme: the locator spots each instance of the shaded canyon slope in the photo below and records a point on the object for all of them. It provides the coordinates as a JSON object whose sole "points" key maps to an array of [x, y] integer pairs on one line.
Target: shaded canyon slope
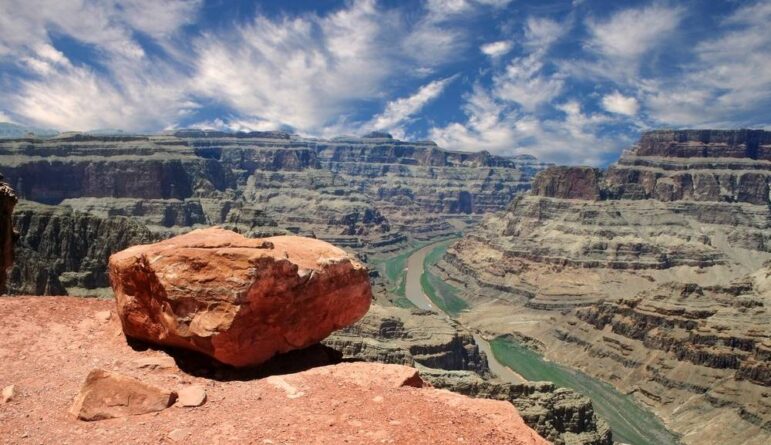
{"points": [[107, 192], [653, 275], [447, 357]]}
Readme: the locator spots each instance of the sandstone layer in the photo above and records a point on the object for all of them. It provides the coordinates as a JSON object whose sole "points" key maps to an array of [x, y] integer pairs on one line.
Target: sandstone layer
{"points": [[652, 275], [355, 402], [369, 194], [237, 299]]}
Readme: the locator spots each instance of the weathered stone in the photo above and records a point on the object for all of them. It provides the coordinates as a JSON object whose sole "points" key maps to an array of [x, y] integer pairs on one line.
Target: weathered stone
{"points": [[106, 395], [191, 396], [568, 183], [9, 392], [238, 300]]}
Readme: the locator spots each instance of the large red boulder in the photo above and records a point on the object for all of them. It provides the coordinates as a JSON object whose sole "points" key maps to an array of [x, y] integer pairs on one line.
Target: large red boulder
{"points": [[237, 299]]}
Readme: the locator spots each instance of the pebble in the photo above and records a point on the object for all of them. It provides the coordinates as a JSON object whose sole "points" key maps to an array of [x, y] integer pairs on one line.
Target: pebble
{"points": [[191, 396], [9, 392]]}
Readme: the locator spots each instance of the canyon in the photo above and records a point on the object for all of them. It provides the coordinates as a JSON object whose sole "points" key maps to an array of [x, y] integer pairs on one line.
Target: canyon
{"points": [[653, 275], [368, 194]]}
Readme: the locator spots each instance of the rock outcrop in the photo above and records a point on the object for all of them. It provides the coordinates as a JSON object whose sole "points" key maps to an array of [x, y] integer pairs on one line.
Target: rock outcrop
{"points": [[651, 275], [369, 194], [107, 395], [7, 235], [409, 337], [65, 252], [364, 403], [448, 358], [560, 415], [236, 299]]}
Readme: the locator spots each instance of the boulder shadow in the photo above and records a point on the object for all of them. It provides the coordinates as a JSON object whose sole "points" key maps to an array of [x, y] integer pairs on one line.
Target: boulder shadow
{"points": [[200, 365]]}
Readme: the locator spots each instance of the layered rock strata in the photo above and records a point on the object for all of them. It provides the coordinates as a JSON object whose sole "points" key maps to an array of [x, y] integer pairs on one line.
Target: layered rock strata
{"points": [[368, 194], [652, 275], [238, 300], [448, 358], [65, 252]]}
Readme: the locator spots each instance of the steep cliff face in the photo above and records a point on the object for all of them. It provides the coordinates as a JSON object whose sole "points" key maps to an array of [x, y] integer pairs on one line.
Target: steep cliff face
{"points": [[7, 235], [408, 337], [63, 252], [367, 194], [651, 275], [560, 415], [448, 358]]}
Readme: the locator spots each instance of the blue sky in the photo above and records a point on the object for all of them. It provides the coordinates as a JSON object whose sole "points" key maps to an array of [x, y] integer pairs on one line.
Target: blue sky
{"points": [[567, 81]]}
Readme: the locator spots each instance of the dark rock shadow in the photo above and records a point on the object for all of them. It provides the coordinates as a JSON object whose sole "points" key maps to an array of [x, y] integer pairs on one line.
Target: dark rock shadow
{"points": [[201, 365]]}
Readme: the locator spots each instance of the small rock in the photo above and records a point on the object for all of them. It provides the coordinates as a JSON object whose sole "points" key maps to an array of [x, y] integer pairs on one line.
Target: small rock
{"points": [[153, 363], [106, 395], [103, 316], [191, 396], [377, 399], [9, 392], [178, 435]]}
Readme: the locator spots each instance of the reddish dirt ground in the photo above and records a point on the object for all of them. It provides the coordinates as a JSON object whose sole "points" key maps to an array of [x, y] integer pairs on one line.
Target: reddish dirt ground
{"points": [[49, 345]]}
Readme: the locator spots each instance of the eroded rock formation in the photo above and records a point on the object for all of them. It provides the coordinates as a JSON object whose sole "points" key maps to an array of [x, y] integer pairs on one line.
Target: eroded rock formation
{"points": [[448, 358], [236, 299], [370, 194], [652, 275]]}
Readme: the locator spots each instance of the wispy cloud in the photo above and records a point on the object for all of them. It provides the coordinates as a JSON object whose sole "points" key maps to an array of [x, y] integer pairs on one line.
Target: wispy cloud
{"points": [[399, 110], [496, 49], [620, 104]]}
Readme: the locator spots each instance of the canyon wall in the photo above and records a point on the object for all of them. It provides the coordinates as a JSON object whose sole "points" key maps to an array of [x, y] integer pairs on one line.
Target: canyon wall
{"points": [[368, 194], [653, 275]]}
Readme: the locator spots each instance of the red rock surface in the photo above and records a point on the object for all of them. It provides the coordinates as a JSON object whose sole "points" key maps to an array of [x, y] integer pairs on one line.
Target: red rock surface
{"points": [[50, 345], [236, 299], [107, 395]]}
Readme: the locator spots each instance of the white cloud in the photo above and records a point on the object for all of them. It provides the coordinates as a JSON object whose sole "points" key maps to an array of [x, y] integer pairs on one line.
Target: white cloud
{"points": [[399, 110], [524, 80], [302, 72], [498, 128], [130, 91], [632, 32], [620, 104], [143, 95], [541, 33], [729, 82], [496, 49]]}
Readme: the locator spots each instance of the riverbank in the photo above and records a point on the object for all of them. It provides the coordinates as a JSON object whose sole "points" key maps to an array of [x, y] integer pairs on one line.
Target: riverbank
{"points": [[630, 422]]}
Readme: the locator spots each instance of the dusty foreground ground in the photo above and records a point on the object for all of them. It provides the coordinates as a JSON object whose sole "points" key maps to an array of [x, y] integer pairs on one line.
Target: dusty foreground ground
{"points": [[49, 345]]}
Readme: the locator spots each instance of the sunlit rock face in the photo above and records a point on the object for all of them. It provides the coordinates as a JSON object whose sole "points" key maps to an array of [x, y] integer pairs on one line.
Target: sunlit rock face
{"points": [[239, 300], [652, 274]]}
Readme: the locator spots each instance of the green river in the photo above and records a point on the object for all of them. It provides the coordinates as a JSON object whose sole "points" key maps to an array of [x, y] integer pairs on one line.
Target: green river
{"points": [[630, 422]]}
